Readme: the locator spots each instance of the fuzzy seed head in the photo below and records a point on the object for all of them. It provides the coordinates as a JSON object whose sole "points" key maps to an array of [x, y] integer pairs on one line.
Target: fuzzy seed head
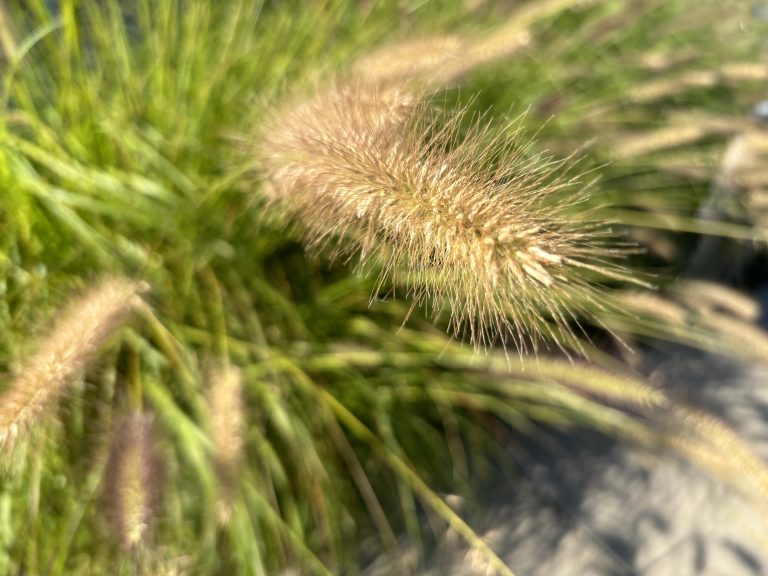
{"points": [[227, 431], [133, 480], [81, 329], [225, 402], [465, 220], [431, 59]]}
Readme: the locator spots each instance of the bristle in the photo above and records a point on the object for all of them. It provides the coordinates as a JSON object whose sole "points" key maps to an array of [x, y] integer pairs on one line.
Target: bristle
{"points": [[82, 328], [466, 220], [133, 478], [227, 424]]}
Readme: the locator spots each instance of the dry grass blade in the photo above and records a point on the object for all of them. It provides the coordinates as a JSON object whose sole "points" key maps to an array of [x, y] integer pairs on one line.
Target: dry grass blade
{"points": [[82, 328], [468, 221], [133, 480]]}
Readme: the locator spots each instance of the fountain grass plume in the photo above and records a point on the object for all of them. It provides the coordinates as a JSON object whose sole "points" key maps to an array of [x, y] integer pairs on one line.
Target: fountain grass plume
{"points": [[132, 479], [442, 60], [468, 219], [79, 332], [227, 425]]}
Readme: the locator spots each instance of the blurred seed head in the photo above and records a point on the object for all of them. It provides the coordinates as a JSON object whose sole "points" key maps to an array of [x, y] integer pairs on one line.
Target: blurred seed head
{"points": [[133, 480], [78, 333], [428, 58], [227, 432]]}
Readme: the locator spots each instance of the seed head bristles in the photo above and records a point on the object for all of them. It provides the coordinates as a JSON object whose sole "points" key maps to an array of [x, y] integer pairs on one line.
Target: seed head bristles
{"points": [[226, 429], [79, 332], [133, 478], [467, 220]]}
